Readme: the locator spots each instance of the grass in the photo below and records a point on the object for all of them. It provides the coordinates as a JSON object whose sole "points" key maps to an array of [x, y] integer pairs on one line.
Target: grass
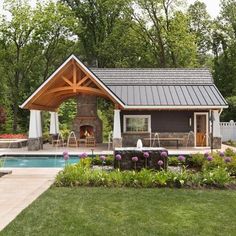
{"points": [[128, 211]]}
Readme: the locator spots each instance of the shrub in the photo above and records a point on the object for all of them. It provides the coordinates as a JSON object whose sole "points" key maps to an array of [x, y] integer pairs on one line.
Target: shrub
{"points": [[216, 177], [220, 162], [196, 161], [229, 152], [82, 175], [173, 161], [97, 161]]}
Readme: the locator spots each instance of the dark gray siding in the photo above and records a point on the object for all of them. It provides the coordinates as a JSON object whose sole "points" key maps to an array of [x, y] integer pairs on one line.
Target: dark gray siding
{"points": [[166, 121]]}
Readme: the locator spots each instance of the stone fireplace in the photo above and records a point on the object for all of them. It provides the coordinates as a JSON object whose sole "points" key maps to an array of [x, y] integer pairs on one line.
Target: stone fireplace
{"points": [[87, 123]]}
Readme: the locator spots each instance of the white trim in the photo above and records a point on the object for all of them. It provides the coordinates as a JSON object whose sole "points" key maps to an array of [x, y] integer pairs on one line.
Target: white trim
{"points": [[195, 127], [136, 116], [85, 68], [175, 107]]}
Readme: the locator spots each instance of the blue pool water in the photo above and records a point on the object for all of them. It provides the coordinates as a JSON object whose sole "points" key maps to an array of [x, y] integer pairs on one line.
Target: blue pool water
{"points": [[37, 161]]}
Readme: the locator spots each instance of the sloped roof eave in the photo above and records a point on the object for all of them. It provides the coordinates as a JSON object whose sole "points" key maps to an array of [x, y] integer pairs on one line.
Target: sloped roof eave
{"points": [[24, 105]]}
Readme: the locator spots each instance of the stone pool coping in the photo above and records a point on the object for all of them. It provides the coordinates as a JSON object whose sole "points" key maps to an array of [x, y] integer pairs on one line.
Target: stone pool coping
{"points": [[13, 143]]}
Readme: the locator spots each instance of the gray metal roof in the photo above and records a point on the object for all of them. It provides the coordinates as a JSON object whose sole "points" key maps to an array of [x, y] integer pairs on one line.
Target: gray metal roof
{"points": [[162, 87], [153, 76]]}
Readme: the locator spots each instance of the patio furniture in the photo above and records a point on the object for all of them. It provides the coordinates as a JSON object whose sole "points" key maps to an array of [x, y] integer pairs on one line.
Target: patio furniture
{"points": [[58, 143], [81, 141], [57, 140], [90, 142], [177, 140]]}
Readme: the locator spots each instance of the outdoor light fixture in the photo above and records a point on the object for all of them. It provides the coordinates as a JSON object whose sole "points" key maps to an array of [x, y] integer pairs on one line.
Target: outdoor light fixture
{"points": [[190, 122]]}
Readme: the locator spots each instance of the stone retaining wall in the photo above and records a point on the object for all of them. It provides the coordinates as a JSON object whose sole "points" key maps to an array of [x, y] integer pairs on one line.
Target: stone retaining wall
{"points": [[126, 162]]}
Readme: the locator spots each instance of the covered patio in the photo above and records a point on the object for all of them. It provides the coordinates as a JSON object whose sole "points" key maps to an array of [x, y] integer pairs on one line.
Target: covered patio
{"points": [[71, 80]]}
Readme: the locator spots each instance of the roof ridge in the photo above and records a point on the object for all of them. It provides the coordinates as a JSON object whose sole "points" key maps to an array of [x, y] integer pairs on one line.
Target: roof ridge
{"points": [[163, 69]]}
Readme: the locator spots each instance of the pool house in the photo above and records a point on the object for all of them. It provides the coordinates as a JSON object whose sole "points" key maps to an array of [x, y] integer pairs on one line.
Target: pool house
{"points": [[167, 107]]}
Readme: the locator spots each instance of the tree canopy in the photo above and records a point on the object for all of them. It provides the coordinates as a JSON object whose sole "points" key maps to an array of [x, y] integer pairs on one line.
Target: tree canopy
{"points": [[34, 40]]}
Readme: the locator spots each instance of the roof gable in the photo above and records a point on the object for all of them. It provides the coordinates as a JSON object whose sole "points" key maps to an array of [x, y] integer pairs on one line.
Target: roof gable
{"points": [[71, 78]]}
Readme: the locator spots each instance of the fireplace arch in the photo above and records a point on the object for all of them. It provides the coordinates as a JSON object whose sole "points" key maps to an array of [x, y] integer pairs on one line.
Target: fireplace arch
{"points": [[86, 131]]}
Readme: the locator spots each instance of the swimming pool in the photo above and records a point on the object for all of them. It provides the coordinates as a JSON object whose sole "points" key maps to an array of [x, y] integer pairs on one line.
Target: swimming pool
{"points": [[37, 161]]}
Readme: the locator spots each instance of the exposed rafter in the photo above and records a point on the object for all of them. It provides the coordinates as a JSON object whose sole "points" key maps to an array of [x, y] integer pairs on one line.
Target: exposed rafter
{"points": [[70, 79]]}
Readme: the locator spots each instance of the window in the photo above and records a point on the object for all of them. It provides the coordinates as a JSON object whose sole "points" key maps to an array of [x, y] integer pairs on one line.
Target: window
{"points": [[137, 123]]}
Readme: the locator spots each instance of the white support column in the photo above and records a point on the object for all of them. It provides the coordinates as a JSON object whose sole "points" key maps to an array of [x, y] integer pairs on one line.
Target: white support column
{"points": [[33, 126], [54, 123], [116, 125], [35, 131], [117, 140], [39, 124], [216, 124]]}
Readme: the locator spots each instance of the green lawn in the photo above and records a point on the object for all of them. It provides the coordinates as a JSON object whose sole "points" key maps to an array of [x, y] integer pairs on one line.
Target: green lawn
{"points": [[104, 211]]}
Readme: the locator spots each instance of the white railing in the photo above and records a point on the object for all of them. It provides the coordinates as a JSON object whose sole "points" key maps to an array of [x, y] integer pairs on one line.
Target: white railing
{"points": [[228, 130]]}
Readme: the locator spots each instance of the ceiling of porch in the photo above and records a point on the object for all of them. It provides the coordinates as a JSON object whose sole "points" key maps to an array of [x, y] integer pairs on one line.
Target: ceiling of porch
{"points": [[71, 79]]}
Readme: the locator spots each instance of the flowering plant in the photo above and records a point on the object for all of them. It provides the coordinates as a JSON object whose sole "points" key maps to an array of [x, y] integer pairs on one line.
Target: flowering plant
{"points": [[164, 154], [83, 155], [65, 156], [227, 159], [13, 136], [209, 158], [181, 158], [135, 159], [118, 157], [146, 156], [160, 163]]}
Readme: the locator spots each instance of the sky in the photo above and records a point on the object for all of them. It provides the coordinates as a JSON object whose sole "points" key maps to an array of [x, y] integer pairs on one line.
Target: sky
{"points": [[212, 6]]}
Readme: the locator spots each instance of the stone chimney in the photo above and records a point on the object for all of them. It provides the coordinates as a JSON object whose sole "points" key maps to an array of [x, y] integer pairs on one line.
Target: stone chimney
{"points": [[87, 122]]}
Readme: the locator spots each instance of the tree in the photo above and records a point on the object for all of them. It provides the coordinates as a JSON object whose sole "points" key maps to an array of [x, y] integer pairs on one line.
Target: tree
{"points": [[17, 57], [201, 25], [224, 48], [164, 27], [33, 42], [55, 24], [96, 22], [2, 116]]}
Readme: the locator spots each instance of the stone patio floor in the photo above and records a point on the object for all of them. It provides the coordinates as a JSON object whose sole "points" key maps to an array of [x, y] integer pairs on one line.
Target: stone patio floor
{"points": [[19, 189], [101, 149]]}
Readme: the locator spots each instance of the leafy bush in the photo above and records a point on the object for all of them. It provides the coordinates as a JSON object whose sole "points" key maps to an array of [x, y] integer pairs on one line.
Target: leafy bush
{"points": [[109, 161], [196, 161], [82, 174], [229, 152], [220, 162], [173, 161], [216, 177]]}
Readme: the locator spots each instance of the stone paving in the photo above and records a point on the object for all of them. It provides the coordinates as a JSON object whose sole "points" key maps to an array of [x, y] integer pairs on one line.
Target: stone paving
{"points": [[100, 149], [19, 189]]}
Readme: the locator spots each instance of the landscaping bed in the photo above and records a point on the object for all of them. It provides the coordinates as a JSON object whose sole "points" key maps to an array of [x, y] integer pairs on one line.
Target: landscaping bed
{"points": [[196, 171]]}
